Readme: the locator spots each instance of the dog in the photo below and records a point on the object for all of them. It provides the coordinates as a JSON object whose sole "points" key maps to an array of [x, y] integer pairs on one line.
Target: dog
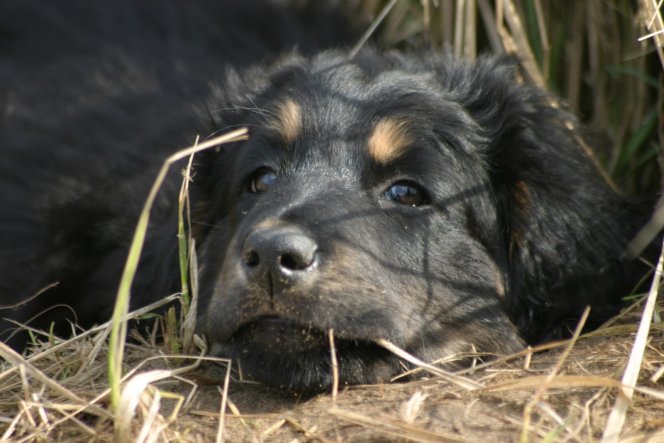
{"points": [[442, 205]]}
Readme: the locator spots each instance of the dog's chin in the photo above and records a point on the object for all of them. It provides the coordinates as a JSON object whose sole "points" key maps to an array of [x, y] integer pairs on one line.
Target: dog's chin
{"points": [[298, 358]]}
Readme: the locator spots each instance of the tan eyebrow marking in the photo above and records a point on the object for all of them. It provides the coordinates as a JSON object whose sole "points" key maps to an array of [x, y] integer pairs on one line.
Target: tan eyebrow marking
{"points": [[388, 140], [288, 121]]}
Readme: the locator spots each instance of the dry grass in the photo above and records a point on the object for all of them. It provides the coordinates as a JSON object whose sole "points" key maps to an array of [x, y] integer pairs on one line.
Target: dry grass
{"points": [[61, 393], [588, 52]]}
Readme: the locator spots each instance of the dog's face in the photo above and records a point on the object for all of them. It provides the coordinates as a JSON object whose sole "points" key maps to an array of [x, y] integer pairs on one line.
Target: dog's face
{"points": [[352, 207], [362, 203]]}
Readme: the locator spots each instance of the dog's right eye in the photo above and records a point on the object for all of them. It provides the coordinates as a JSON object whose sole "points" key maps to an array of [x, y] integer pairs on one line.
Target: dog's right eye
{"points": [[262, 180], [407, 193]]}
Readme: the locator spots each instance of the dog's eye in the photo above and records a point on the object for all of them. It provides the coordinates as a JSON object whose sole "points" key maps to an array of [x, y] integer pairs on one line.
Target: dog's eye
{"points": [[407, 193], [262, 180]]}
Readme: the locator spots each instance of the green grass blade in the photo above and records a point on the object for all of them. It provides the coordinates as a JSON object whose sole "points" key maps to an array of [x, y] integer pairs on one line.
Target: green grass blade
{"points": [[121, 309]]}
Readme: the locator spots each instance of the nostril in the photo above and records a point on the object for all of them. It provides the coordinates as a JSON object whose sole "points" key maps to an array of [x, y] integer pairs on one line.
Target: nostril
{"points": [[251, 258], [288, 262], [296, 261]]}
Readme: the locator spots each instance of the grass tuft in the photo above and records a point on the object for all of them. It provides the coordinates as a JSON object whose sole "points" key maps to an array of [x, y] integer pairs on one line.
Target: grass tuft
{"points": [[119, 320]]}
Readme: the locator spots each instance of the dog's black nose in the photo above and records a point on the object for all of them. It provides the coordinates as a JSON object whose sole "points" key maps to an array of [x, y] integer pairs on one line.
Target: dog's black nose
{"points": [[281, 251]]}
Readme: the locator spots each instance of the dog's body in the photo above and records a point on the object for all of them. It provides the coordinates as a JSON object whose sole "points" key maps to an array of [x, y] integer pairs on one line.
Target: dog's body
{"points": [[435, 203]]}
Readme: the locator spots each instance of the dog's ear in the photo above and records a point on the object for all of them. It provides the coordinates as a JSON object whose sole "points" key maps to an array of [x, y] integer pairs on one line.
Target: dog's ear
{"points": [[567, 229]]}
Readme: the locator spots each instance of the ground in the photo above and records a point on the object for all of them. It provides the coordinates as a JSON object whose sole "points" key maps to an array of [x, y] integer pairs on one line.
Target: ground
{"points": [[38, 392]]}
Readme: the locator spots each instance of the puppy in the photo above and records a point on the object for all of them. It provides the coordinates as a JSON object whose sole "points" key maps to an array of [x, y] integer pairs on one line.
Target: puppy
{"points": [[440, 204]]}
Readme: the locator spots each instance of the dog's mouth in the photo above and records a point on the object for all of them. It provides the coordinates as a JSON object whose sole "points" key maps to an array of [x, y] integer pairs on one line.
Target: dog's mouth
{"points": [[279, 351], [279, 334]]}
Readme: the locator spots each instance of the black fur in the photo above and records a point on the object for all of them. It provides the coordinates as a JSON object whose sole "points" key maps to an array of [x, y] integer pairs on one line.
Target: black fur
{"points": [[514, 234]]}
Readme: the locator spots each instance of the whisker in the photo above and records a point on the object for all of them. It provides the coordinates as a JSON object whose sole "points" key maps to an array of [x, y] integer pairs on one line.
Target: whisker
{"points": [[260, 111]]}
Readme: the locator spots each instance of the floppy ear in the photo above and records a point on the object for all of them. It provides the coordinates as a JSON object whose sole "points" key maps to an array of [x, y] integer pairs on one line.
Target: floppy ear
{"points": [[567, 229]]}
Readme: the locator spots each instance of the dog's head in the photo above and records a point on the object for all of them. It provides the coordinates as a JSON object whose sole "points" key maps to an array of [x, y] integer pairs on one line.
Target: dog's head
{"points": [[387, 197]]}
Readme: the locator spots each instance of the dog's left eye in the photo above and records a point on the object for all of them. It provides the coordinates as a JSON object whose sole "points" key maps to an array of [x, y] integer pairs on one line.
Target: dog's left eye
{"points": [[262, 180], [407, 193]]}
